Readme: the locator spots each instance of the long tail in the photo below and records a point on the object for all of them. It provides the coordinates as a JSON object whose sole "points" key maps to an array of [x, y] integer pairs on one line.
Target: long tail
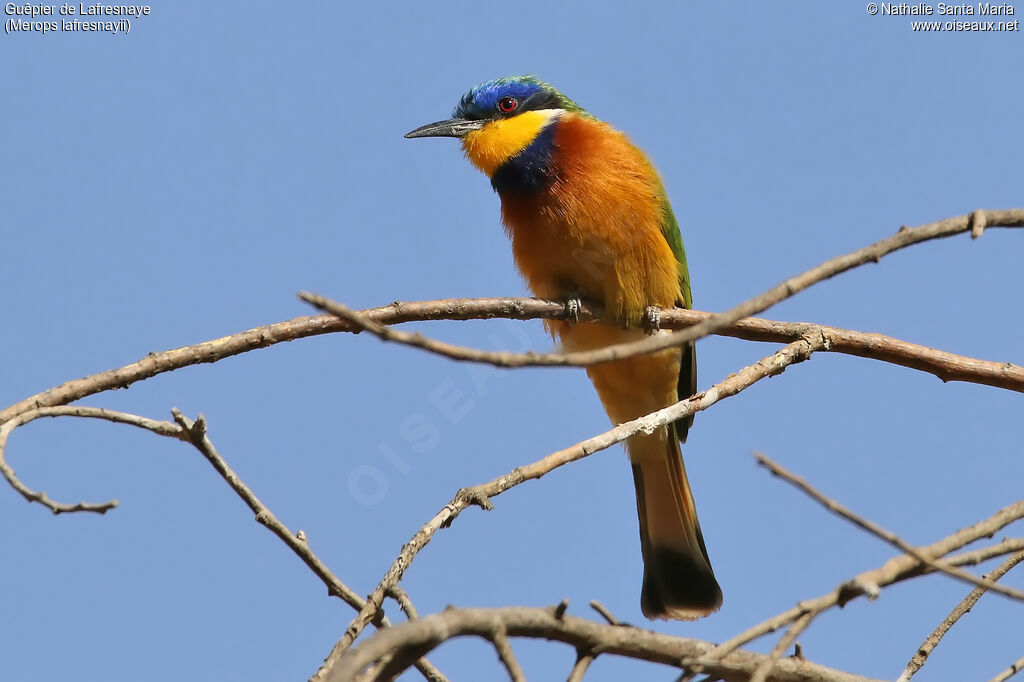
{"points": [[678, 580]]}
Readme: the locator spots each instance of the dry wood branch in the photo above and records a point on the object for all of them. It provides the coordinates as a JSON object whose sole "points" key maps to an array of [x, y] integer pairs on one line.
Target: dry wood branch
{"points": [[765, 668], [968, 602], [162, 428], [480, 495], [882, 533], [905, 237], [430, 631], [499, 637], [580, 667], [195, 433], [404, 602], [946, 366], [604, 612], [803, 339], [1014, 668], [289, 330], [903, 567], [978, 556]]}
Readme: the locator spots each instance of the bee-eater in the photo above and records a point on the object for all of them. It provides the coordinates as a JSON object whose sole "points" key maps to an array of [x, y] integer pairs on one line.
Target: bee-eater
{"points": [[589, 219]]}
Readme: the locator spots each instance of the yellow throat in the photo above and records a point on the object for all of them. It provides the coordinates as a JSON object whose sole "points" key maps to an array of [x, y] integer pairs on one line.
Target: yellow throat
{"points": [[500, 140]]}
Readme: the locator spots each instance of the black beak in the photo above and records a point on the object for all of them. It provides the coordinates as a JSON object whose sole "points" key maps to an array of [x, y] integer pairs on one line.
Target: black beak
{"points": [[453, 127]]}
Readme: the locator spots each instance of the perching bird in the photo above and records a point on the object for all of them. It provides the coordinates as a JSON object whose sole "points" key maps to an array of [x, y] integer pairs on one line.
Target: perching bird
{"points": [[589, 219]]}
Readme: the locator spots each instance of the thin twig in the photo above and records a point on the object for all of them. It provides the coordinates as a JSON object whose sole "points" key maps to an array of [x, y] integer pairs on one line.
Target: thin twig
{"points": [[404, 602], [798, 626], [162, 428], [499, 638], [605, 613], [884, 534], [195, 432], [480, 495], [896, 569], [1014, 668], [968, 602], [580, 667], [984, 554]]}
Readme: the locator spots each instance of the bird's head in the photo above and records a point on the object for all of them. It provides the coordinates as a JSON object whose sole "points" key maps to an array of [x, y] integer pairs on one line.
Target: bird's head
{"points": [[498, 119]]}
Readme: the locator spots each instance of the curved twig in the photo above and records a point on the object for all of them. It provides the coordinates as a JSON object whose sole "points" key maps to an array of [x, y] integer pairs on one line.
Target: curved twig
{"points": [[162, 428]]}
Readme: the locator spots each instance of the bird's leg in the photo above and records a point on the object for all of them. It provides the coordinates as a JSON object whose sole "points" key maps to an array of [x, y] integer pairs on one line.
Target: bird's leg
{"points": [[652, 318]]}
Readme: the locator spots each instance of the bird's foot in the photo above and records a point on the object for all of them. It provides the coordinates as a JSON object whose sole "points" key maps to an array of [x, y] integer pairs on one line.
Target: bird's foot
{"points": [[573, 306], [652, 318]]}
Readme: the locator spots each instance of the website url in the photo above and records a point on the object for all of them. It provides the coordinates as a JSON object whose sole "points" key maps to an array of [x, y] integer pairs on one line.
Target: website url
{"points": [[940, 26]]}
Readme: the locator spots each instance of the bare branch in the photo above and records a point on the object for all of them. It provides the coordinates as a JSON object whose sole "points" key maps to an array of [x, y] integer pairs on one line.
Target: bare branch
{"points": [[973, 558], [289, 330], [932, 640], [1014, 668], [765, 668], [906, 236], [162, 428], [580, 667], [897, 569], [404, 602], [428, 632], [803, 339], [605, 613], [499, 637], [978, 222], [946, 366], [882, 533], [480, 495], [195, 433]]}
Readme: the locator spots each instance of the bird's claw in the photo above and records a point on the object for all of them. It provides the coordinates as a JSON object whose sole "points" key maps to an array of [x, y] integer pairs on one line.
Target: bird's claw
{"points": [[652, 318], [572, 310]]}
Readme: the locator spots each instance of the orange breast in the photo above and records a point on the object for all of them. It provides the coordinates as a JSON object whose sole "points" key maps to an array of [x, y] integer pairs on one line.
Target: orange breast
{"points": [[595, 231]]}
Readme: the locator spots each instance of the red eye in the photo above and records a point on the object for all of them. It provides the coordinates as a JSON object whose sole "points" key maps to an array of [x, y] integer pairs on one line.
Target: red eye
{"points": [[507, 104]]}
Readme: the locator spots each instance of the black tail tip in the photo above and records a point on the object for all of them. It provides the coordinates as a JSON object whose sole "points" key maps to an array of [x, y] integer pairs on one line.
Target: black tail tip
{"points": [[678, 586]]}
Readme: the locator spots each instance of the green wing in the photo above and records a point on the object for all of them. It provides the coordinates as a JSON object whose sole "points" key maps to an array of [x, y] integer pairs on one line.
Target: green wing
{"points": [[688, 368]]}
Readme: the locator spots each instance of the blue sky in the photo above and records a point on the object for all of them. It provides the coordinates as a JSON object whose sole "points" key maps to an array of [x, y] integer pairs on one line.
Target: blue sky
{"points": [[184, 181]]}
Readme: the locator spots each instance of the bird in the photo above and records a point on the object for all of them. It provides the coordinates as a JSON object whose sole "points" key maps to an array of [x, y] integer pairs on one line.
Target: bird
{"points": [[589, 220]]}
